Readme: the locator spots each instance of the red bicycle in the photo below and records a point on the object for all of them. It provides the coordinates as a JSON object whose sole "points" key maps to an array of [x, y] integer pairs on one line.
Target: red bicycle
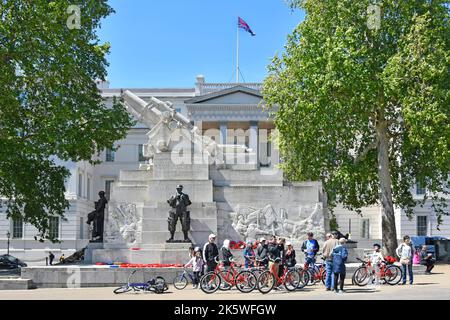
{"points": [[317, 272], [225, 278], [292, 278], [365, 274]]}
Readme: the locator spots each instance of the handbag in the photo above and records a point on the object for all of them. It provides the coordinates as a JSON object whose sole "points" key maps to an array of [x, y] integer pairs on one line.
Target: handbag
{"points": [[404, 261]]}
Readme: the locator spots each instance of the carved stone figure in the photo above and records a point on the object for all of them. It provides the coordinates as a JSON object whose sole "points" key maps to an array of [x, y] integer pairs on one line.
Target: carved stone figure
{"points": [[179, 204], [124, 224], [97, 217], [251, 223]]}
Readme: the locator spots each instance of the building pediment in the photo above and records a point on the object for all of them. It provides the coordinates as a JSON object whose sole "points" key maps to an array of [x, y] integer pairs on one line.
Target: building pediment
{"points": [[234, 95]]}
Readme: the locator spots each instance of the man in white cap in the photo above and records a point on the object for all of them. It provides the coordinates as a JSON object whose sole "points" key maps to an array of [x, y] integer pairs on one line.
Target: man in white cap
{"points": [[210, 253], [262, 253]]}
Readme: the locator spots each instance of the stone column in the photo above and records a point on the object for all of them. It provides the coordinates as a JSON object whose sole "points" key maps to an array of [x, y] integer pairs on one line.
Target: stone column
{"points": [[223, 132], [254, 143], [275, 153], [223, 138]]}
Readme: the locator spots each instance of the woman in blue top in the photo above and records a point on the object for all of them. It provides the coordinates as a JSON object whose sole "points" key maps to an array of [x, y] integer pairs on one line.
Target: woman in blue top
{"points": [[339, 255], [249, 255]]}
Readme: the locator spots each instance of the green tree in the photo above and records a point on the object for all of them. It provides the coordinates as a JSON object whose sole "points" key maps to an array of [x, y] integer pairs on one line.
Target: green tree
{"points": [[364, 103], [50, 107]]}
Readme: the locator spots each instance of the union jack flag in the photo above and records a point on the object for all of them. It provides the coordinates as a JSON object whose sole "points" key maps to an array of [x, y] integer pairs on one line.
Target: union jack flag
{"points": [[243, 25]]}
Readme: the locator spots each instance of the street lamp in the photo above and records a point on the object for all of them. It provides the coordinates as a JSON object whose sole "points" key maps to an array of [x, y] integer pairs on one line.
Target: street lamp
{"points": [[8, 235]]}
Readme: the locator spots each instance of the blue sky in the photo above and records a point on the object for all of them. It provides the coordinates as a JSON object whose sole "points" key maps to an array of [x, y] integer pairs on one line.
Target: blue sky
{"points": [[157, 43]]}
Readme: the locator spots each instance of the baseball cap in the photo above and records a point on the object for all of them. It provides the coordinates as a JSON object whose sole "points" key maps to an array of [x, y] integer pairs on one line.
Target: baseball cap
{"points": [[212, 235], [262, 239]]}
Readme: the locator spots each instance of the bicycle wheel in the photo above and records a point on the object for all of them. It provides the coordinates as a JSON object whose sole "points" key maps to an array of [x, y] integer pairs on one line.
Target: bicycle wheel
{"points": [[393, 275], [257, 272], [311, 276], [180, 281], [210, 282], [226, 280], [265, 282], [361, 277], [162, 283], [324, 277], [304, 278], [245, 281], [122, 289], [292, 280]]}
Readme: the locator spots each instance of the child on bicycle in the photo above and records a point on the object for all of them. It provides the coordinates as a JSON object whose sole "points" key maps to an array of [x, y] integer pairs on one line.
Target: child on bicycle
{"points": [[197, 266], [376, 259]]}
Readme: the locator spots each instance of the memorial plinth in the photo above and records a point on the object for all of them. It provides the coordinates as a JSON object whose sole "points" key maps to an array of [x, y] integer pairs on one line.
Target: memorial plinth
{"points": [[235, 201]]}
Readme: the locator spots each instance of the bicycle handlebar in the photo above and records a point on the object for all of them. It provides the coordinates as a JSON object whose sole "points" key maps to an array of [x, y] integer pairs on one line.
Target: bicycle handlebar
{"points": [[361, 260]]}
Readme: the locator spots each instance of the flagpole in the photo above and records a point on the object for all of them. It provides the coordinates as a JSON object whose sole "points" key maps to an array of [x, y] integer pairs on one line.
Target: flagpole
{"points": [[237, 53]]}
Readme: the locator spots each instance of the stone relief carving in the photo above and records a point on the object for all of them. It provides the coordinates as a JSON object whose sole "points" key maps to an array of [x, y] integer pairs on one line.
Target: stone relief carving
{"points": [[252, 223], [124, 224]]}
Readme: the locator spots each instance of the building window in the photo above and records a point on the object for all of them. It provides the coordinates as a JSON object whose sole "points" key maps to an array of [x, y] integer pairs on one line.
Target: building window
{"points": [[110, 155], [365, 228], [178, 110], [80, 184], [108, 188], [422, 225], [420, 190], [54, 227], [17, 228], [141, 153], [88, 188]]}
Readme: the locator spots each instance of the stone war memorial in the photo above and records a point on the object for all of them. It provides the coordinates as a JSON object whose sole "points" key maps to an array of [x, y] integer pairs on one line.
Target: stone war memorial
{"points": [[228, 195]]}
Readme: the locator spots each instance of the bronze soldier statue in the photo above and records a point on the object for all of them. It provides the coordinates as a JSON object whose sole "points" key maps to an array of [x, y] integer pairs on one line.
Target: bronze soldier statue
{"points": [[97, 216], [179, 203]]}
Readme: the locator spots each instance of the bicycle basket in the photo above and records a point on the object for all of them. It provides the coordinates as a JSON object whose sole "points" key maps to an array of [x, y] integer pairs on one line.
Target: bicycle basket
{"points": [[390, 260]]}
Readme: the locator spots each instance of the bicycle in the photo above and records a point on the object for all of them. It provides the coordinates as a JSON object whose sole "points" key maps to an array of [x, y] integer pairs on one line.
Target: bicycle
{"points": [[259, 268], [292, 278], [157, 285], [181, 281], [244, 280], [365, 274], [225, 279], [317, 272]]}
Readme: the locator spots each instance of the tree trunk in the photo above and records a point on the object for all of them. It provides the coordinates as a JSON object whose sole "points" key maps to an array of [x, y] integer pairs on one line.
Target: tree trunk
{"points": [[388, 228]]}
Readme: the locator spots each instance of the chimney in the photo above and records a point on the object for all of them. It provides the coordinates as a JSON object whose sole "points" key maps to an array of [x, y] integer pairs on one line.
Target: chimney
{"points": [[199, 84]]}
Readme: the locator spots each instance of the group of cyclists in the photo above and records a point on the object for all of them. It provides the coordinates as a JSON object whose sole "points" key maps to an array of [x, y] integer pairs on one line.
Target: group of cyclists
{"points": [[272, 264], [275, 254]]}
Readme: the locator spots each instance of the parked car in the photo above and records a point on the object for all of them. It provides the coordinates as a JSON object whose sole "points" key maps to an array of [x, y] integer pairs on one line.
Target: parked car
{"points": [[9, 262]]}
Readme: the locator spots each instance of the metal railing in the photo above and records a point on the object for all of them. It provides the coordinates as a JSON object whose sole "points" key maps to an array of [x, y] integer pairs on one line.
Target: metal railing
{"points": [[205, 88]]}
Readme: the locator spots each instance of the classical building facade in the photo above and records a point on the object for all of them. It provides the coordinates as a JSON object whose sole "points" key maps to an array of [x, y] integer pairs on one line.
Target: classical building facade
{"points": [[229, 114]]}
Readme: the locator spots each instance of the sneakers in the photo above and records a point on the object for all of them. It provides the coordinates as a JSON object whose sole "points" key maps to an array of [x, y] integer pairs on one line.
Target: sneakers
{"points": [[195, 286], [341, 291], [328, 289]]}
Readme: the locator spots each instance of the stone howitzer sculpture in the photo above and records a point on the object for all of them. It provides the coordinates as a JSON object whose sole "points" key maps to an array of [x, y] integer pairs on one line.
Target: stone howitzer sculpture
{"points": [[165, 121]]}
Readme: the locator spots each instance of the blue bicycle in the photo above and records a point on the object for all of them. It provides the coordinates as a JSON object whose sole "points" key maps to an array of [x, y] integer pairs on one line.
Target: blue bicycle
{"points": [[181, 280], [157, 285]]}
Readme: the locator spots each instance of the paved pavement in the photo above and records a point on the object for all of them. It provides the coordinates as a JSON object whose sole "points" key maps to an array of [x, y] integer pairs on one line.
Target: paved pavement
{"points": [[434, 287]]}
